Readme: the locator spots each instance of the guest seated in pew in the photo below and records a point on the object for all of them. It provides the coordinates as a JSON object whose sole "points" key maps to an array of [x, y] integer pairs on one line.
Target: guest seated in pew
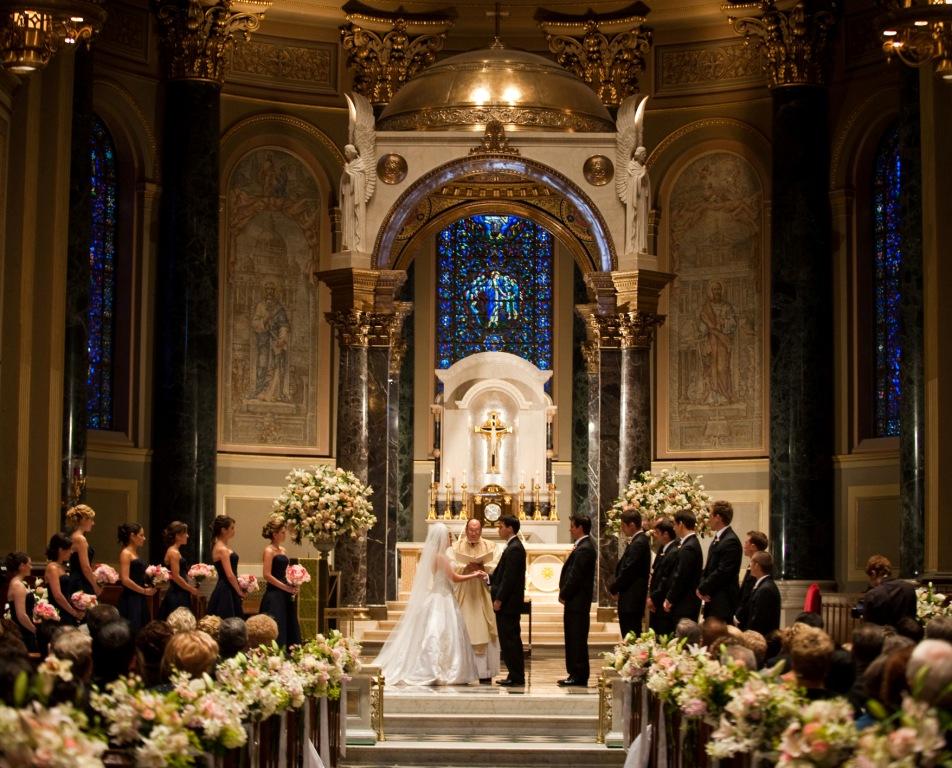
{"points": [[689, 629], [99, 616], [210, 624], [193, 652], [811, 650], [262, 630], [940, 628], [232, 637], [182, 620], [113, 652], [150, 646]]}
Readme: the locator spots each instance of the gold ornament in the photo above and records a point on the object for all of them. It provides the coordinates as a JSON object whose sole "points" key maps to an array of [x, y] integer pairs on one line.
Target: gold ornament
{"points": [[598, 170], [392, 168]]}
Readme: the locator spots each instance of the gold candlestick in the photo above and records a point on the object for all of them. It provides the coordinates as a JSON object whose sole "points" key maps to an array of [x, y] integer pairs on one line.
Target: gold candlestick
{"points": [[463, 511], [431, 500], [448, 504], [553, 512], [536, 499], [521, 512]]}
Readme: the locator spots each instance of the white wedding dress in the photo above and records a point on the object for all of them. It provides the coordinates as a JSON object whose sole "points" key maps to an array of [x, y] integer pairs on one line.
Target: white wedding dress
{"points": [[430, 645]]}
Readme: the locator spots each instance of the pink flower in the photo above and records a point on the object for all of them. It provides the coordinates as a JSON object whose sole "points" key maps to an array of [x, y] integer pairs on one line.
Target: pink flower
{"points": [[902, 742]]}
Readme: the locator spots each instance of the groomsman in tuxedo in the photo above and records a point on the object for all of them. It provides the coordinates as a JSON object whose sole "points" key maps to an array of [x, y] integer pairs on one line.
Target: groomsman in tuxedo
{"points": [[719, 590], [682, 601], [507, 587], [630, 586], [756, 541], [662, 574], [764, 614], [576, 585]]}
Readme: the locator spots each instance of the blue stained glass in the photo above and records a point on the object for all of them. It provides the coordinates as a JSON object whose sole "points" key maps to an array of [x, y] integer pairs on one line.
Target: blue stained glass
{"points": [[887, 238], [102, 258], [494, 289]]}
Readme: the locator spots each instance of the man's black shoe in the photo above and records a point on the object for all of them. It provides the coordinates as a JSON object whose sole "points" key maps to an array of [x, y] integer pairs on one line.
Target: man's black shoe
{"points": [[571, 681], [509, 683]]}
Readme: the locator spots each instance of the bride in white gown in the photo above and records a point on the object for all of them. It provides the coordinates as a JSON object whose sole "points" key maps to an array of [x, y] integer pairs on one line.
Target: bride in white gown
{"points": [[429, 645]]}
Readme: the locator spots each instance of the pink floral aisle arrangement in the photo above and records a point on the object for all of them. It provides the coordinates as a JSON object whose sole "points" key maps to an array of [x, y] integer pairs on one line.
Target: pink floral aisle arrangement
{"points": [[201, 571], [248, 583], [43, 610], [158, 574], [662, 494], [823, 735], [105, 574], [297, 575], [324, 503], [911, 738], [326, 662], [264, 683], [50, 737], [83, 601]]}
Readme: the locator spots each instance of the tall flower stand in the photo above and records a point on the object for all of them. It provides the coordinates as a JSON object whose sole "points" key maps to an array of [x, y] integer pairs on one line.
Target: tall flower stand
{"points": [[324, 547]]}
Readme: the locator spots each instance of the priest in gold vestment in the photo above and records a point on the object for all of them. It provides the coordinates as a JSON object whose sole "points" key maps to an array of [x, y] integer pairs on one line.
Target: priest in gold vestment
{"points": [[473, 552]]}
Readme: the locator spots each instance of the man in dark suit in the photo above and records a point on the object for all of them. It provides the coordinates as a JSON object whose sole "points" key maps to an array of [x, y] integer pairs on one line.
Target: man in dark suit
{"points": [[631, 574], [756, 541], [507, 587], [682, 601], [719, 590], [576, 585], [662, 574], [764, 614]]}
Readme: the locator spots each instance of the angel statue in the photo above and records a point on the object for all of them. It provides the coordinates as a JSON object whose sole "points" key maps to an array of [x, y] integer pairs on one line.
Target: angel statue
{"points": [[359, 179], [632, 185]]}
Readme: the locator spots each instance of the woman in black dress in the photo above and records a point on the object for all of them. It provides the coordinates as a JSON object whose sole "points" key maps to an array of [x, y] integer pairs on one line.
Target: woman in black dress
{"points": [[58, 580], [80, 520], [20, 598], [180, 592], [227, 596], [134, 601], [278, 601]]}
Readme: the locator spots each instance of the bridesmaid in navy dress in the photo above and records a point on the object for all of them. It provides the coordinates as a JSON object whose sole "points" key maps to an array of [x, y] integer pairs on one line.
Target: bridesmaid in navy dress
{"points": [[58, 580], [20, 598], [180, 592], [227, 596], [134, 601], [81, 519], [278, 601]]}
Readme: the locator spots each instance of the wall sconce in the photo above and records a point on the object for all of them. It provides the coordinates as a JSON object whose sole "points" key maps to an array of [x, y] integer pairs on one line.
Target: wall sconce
{"points": [[919, 33], [32, 32]]}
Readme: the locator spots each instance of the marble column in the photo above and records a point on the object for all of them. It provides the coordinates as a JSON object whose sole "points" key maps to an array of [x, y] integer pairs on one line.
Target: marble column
{"points": [[76, 359], [396, 477], [378, 457], [196, 37], [638, 332], [794, 45], [912, 372]]}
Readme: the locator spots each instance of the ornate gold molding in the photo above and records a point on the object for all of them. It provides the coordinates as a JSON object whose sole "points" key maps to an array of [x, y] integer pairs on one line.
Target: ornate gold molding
{"points": [[199, 37], [606, 51], [616, 330], [398, 342], [352, 326], [384, 50], [494, 141], [794, 42]]}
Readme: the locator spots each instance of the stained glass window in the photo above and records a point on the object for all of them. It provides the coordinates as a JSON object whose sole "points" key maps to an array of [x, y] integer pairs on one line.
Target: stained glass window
{"points": [[494, 290], [887, 238], [102, 258]]}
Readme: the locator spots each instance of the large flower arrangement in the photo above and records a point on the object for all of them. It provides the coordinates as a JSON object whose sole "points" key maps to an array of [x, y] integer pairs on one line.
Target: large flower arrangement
{"points": [[662, 494], [931, 604], [51, 737], [823, 735], [913, 737], [323, 504]]}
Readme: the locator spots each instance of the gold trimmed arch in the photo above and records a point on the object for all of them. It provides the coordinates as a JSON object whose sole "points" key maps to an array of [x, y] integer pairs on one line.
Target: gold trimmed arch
{"points": [[495, 184]]}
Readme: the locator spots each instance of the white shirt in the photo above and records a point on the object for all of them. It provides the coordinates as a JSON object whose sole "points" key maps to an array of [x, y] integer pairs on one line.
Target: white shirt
{"points": [[757, 584], [692, 533], [721, 532]]}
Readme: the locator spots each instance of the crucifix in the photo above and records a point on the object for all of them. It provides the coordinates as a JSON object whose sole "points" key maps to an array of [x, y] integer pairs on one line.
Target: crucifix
{"points": [[494, 431]]}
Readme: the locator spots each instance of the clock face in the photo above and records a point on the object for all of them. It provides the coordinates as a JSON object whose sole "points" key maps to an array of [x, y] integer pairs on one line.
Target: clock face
{"points": [[492, 512]]}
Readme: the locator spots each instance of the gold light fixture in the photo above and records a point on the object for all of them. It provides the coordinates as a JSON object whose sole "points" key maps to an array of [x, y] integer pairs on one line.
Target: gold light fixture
{"points": [[31, 31], [919, 33]]}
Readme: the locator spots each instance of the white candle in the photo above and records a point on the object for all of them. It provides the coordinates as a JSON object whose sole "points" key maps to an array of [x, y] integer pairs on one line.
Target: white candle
{"points": [[464, 476], [432, 476]]}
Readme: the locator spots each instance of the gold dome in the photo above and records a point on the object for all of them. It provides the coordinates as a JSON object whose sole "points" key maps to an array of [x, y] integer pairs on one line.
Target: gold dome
{"points": [[522, 90]]}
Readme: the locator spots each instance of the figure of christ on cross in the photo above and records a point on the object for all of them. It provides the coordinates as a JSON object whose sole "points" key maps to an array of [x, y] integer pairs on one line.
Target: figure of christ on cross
{"points": [[494, 431]]}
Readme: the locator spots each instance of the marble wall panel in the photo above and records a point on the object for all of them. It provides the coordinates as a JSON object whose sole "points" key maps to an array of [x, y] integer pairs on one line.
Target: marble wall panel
{"points": [[713, 387], [270, 306]]}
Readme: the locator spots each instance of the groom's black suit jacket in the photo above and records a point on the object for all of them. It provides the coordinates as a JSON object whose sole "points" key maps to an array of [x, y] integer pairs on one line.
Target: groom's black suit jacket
{"points": [[508, 581]]}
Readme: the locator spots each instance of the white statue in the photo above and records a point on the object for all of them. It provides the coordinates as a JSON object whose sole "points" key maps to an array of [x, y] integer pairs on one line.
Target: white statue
{"points": [[631, 179], [359, 179]]}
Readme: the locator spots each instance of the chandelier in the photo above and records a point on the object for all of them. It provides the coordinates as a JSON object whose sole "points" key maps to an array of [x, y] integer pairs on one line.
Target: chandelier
{"points": [[919, 32], [31, 31]]}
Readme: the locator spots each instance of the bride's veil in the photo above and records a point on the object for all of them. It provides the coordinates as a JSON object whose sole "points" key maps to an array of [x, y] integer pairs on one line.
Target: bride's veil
{"points": [[400, 642]]}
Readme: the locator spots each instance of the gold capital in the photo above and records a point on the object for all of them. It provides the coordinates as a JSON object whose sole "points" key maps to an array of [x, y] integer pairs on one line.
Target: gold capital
{"points": [[794, 40], [199, 36]]}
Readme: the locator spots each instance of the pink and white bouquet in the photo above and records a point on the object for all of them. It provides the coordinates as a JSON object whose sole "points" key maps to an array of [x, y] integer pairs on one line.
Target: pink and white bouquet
{"points": [[913, 737], [662, 494], [83, 601], [248, 582], [54, 738], [43, 610], [210, 712], [159, 574], [201, 571], [264, 683], [822, 736], [297, 575], [105, 574]]}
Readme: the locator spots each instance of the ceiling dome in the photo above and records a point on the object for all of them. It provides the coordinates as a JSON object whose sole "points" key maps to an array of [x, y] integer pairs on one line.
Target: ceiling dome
{"points": [[523, 91]]}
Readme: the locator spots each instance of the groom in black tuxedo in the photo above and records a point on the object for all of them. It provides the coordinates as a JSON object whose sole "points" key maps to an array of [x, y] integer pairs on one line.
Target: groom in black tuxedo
{"points": [[576, 586], [507, 587]]}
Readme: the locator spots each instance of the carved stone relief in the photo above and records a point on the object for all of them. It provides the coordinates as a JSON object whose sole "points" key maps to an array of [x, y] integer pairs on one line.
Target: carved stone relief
{"points": [[719, 65], [307, 67]]}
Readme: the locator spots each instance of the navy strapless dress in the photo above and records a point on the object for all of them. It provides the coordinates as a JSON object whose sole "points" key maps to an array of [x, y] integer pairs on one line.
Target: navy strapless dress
{"points": [[29, 638], [280, 605], [134, 607], [225, 602], [175, 596], [76, 574], [66, 587]]}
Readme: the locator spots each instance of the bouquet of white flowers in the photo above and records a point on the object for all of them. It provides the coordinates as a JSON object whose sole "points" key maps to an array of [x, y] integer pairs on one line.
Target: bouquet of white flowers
{"points": [[657, 495], [931, 604], [323, 504]]}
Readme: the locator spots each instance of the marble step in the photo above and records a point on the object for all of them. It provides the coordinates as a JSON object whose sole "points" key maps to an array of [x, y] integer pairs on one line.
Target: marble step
{"points": [[475, 751], [554, 638], [408, 726], [491, 702]]}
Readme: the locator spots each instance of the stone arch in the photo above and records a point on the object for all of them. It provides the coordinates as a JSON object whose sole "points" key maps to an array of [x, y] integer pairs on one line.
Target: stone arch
{"points": [[526, 187]]}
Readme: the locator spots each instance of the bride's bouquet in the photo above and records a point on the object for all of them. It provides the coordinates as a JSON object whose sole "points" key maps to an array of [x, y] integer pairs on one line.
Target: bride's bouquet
{"points": [[325, 503], [662, 494]]}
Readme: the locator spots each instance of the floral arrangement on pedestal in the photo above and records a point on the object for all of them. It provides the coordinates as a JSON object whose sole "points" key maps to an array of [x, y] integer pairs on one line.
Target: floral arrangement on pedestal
{"points": [[662, 494], [931, 604], [323, 504]]}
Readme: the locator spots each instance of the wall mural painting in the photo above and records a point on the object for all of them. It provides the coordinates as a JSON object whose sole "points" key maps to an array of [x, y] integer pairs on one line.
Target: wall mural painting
{"points": [[270, 319], [715, 326]]}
